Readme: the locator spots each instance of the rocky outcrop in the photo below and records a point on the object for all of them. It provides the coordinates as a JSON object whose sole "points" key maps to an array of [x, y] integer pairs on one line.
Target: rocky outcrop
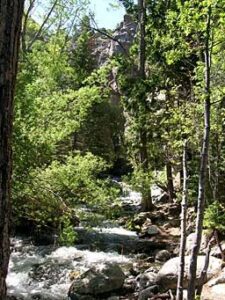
{"points": [[98, 280], [120, 41], [215, 288], [167, 276]]}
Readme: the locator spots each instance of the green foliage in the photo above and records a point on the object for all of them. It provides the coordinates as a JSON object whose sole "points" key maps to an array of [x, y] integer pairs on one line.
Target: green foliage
{"points": [[59, 98], [54, 192], [215, 217], [67, 234], [81, 57], [68, 131], [141, 180]]}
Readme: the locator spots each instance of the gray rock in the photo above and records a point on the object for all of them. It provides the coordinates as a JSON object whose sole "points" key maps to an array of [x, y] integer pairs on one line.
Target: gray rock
{"points": [[153, 230], [214, 292], [148, 292], [215, 288], [167, 276], [190, 243], [146, 279], [80, 297], [105, 47], [141, 218], [162, 255], [98, 280]]}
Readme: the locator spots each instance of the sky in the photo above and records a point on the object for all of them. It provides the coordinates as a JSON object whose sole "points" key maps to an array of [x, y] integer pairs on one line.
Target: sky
{"points": [[105, 15]]}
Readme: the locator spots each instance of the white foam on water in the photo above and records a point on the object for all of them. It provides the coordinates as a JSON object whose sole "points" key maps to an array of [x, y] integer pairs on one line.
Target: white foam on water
{"points": [[66, 260], [116, 230], [53, 282]]}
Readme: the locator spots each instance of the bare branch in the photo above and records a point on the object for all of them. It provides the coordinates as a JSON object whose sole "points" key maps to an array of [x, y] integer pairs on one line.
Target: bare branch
{"points": [[24, 29], [37, 35]]}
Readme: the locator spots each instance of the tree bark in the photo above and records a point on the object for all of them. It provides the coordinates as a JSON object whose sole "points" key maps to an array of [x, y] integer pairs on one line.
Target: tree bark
{"points": [[203, 276], [142, 42], [170, 186], [11, 12], [180, 280], [147, 199], [203, 167]]}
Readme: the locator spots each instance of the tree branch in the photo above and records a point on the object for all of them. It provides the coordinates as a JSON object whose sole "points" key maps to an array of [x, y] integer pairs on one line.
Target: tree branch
{"points": [[37, 35]]}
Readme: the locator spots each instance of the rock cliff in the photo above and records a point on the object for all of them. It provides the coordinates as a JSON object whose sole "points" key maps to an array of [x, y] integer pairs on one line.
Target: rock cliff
{"points": [[106, 46]]}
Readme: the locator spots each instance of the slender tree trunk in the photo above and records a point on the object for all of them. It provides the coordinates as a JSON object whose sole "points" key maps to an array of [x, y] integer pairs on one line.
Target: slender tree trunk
{"points": [[203, 276], [142, 74], [203, 169], [180, 280], [10, 26], [170, 186], [147, 199], [142, 42]]}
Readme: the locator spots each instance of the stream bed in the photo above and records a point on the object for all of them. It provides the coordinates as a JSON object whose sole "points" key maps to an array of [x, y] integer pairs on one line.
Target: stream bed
{"points": [[45, 272]]}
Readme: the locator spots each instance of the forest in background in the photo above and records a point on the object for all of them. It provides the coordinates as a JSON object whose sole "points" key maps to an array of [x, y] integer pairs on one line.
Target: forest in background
{"points": [[164, 127], [69, 134]]}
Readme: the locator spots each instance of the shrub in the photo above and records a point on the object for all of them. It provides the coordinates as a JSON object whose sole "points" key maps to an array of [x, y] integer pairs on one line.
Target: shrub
{"points": [[215, 217], [51, 196]]}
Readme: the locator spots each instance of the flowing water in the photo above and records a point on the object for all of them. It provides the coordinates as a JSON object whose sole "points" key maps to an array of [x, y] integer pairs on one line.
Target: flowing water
{"points": [[45, 272]]}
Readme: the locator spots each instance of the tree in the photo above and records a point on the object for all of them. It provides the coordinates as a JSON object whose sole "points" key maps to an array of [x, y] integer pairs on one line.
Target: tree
{"points": [[180, 280], [204, 160], [11, 18], [133, 85], [147, 200]]}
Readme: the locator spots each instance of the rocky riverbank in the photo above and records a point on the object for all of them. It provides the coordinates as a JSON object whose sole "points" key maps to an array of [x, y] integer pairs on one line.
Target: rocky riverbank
{"points": [[111, 262]]}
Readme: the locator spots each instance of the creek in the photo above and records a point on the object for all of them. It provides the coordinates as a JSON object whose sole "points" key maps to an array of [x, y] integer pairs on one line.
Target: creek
{"points": [[45, 272]]}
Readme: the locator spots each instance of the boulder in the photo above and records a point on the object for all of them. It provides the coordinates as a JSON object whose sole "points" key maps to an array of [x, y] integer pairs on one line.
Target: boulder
{"points": [[81, 297], [141, 218], [162, 255], [190, 243], [145, 280], [215, 288], [148, 229], [159, 196], [98, 280], [214, 292], [148, 292], [153, 230], [167, 276]]}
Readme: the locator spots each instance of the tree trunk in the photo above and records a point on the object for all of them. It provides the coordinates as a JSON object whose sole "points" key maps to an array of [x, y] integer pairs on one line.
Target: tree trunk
{"points": [[203, 168], [147, 199], [203, 276], [183, 227], [142, 42], [10, 27], [170, 187]]}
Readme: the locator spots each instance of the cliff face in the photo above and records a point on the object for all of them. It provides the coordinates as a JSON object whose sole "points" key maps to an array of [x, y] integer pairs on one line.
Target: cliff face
{"points": [[105, 137], [120, 41]]}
